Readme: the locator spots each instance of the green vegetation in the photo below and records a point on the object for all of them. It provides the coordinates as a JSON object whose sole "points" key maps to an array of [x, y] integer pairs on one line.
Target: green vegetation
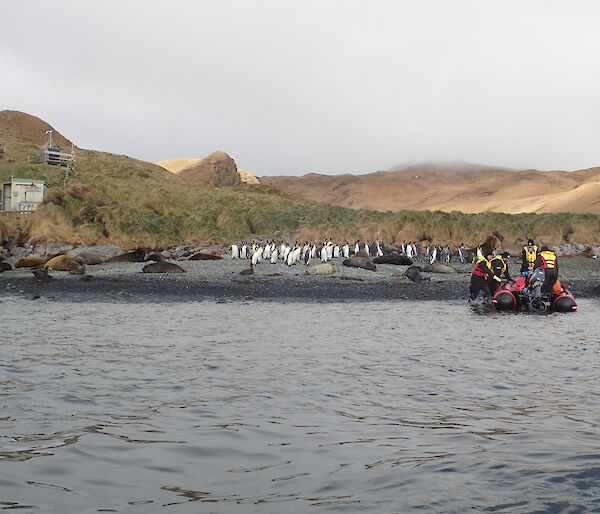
{"points": [[117, 199]]}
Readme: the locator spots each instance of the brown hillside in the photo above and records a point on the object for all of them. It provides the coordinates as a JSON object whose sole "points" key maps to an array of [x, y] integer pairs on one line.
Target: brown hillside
{"points": [[30, 129], [467, 188]]}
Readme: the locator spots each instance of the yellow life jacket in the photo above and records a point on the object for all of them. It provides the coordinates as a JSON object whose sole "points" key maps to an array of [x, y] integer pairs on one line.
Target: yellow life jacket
{"points": [[498, 258], [530, 255], [549, 259]]}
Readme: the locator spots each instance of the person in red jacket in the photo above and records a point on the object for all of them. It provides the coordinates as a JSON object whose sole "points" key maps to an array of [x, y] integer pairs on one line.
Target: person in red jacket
{"points": [[482, 278]]}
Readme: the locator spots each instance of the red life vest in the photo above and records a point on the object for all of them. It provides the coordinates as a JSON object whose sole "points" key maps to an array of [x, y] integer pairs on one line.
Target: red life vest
{"points": [[478, 271]]}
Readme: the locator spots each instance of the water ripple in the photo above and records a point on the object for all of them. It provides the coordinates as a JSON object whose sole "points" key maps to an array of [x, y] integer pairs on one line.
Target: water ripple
{"points": [[265, 407]]}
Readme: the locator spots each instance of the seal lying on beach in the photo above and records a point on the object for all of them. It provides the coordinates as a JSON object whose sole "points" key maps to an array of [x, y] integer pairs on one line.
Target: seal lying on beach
{"points": [[62, 263], [322, 269], [203, 256], [162, 267], [89, 258], [438, 267], [42, 275], [393, 258], [5, 266], [357, 261], [137, 255], [29, 262], [414, 274]]}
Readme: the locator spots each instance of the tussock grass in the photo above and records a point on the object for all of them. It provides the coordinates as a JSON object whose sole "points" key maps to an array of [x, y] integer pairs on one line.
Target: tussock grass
{"points": [[116, 199]]}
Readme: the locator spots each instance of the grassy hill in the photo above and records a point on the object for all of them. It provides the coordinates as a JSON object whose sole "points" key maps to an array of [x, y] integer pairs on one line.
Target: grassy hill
{"points": [[116, 199]]}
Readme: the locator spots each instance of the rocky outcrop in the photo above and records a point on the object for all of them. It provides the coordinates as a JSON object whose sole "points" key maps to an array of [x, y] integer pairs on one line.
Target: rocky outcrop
{"points": [[247, 177], [215, 170]]}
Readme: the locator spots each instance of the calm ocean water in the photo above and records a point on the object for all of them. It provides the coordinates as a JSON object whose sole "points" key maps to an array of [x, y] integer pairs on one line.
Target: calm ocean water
{"points": [[272, 407]]}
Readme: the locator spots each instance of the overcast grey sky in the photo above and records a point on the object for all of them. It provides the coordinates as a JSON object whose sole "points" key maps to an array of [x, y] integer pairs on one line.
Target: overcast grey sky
{"points": [[326, 86]]}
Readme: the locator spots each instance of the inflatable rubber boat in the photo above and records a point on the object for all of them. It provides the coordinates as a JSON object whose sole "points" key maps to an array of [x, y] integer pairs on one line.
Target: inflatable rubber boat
{"points": [[514, 296]]}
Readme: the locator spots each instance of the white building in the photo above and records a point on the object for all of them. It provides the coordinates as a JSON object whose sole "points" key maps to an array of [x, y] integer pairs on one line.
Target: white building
{"points": [[22, 194]]}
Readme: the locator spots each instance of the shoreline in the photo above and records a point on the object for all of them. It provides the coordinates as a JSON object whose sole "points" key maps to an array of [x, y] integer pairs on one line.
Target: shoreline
{"points": [[221, 281]]}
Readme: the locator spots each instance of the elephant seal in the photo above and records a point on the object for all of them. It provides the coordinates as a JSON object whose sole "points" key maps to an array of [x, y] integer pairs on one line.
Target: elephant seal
{"points": [[4, 266], [62, 263], [29, 262], [42, 275], [78, 271], [357, 261], [322, 269], [202, 256], [89, 258], [438, 267], [162, 267], [393, 258], [137, 255], [414, 274], [154, 256]]}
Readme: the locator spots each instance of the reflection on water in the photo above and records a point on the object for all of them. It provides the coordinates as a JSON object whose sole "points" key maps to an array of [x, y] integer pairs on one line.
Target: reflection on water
{"points": [[268, 407]]}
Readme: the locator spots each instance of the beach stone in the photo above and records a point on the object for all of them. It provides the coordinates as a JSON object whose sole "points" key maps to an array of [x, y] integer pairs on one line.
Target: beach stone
{"points": [[102, 251], [5, 266], [52, 249], [326, 268], [162, 267]]}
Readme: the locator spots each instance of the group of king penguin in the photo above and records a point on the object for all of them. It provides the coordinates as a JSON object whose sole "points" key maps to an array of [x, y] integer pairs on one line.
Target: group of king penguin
{"points": [[291, 254], [301, 252]]}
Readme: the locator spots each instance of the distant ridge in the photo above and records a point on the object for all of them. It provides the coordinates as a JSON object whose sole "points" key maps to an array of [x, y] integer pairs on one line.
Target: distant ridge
{"points": [[452, 186]]}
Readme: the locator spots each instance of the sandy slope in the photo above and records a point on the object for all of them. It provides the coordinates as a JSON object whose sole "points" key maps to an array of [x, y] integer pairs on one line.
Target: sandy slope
{"points": [[436, 187]]}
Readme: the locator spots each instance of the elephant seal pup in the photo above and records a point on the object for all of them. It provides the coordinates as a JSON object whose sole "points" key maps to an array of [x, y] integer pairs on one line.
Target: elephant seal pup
{"points": [[393, 258], [438, 267], [29, 262], [62, 263], [414, 274], [162, 267], [356, 261], [322, 269]]}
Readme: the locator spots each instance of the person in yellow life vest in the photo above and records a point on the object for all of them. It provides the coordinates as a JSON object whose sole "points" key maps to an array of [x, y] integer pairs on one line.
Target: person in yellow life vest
{"points": [[499, 265], [528, 257], [481, 277], [547, 261]]}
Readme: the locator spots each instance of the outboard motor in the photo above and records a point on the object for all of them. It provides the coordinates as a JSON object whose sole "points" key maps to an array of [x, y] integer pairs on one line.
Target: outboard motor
{"points": [[536, 302]]}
